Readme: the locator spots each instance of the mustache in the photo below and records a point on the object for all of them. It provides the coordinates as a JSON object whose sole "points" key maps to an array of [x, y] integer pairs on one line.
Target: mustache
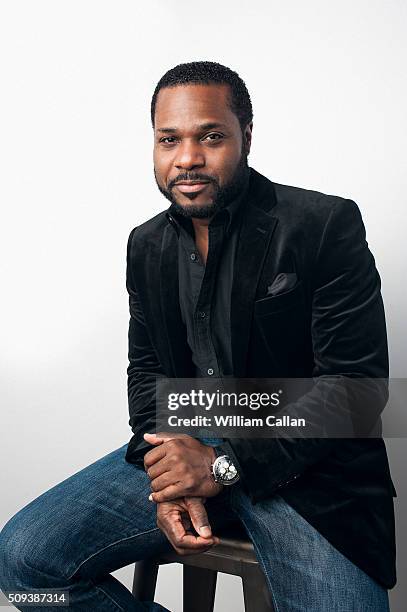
{"points": [[192, 176]]}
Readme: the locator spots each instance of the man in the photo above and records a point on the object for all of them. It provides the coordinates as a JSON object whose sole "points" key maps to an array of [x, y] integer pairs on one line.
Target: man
{"points": [[240, 277]]}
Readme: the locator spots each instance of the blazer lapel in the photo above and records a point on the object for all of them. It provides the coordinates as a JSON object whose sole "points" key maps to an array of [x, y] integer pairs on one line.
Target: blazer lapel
{"points": [[255, 236]]}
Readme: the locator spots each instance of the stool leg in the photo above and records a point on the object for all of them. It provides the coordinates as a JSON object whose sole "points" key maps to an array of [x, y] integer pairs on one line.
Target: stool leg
{"points": [[145, 579], [199, 586], [256, 593]]}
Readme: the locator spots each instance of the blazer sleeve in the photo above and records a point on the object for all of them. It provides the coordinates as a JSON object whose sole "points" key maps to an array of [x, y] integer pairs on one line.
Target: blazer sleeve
{"points": [[143, 369], [349, 340]]}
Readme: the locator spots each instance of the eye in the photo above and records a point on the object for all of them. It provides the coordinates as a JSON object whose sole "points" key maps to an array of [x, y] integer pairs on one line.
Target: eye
{"points": [[168, 140], [214, 136]]}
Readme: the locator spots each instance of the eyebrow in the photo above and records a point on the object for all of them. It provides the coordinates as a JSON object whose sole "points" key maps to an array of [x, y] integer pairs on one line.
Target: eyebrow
{"points": [[204, 126]]}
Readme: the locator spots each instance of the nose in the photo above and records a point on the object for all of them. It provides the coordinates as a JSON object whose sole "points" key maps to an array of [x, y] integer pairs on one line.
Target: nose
{"points": [[189, 156]]}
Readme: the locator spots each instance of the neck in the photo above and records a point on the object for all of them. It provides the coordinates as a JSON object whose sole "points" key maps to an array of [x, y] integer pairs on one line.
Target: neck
{"points": [[201, 226]]}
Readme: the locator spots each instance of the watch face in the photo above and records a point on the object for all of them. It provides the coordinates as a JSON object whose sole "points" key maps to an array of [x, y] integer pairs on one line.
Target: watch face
{"points": [[225, 471]]}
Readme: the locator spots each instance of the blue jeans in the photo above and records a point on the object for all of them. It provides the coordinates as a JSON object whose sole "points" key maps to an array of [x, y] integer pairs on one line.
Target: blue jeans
{"points": [[100, 519]]}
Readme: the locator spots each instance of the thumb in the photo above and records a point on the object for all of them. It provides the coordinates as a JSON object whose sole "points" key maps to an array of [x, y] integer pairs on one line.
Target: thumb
{"points": [[153, 438], [198, 516], [161, 436]]}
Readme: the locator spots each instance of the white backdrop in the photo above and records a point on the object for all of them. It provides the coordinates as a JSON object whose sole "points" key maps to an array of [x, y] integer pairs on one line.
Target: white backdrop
{"points": [[328, 86]]}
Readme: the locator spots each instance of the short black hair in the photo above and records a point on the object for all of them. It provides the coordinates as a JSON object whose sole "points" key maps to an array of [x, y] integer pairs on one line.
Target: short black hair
{"points": [[206, 73]]}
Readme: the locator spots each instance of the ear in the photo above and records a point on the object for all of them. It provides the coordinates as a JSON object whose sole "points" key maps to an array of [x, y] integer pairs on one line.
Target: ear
{"points": [[247, 137]]}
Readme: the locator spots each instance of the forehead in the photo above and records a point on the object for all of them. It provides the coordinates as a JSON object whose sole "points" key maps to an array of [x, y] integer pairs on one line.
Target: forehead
{"points": [[186, 105]]}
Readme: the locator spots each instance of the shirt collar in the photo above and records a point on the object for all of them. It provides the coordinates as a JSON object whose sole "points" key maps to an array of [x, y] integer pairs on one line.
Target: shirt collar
{"points": [[226, 216]]}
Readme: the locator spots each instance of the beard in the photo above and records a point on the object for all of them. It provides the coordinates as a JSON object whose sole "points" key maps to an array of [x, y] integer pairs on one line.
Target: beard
{"points": [[222, 195]]}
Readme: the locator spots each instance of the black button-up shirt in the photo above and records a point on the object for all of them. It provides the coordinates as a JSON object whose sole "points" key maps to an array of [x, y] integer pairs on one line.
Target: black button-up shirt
{"points": [[205, 290], [205, 294]]}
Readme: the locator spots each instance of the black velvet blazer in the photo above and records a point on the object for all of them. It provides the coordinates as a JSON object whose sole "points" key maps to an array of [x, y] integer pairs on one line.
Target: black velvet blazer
{"points": [[331, 322]]}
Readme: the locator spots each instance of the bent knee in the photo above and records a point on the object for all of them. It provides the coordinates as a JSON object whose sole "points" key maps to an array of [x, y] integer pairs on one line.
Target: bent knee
{"points": [[22, 558], [13, 553]]}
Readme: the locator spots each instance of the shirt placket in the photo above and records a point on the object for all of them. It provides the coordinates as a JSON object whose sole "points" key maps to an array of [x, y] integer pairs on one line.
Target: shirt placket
{"points": [[202, 314]]}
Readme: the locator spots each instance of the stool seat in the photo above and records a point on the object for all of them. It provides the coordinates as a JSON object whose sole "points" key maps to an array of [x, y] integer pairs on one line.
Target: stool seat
{"points": [[233, 555]]}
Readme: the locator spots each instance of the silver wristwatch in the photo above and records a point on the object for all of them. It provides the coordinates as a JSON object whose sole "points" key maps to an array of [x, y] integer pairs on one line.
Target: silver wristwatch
{"points": [[224, 470]]}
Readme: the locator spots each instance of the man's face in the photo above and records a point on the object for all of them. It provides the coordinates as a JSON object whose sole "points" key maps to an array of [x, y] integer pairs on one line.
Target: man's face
{"points": [[200, 153]]}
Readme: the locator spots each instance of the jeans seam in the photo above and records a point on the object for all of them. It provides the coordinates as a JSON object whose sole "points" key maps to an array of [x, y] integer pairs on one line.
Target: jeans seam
{"points": [[99, 588], [108, 546]]}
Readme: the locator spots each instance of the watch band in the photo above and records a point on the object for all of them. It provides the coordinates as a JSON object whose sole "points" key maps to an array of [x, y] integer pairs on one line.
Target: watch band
{"points": [[220, 450]]}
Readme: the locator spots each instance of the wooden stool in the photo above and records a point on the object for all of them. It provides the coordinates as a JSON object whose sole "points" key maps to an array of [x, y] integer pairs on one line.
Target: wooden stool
{"points": [[233, 555]]}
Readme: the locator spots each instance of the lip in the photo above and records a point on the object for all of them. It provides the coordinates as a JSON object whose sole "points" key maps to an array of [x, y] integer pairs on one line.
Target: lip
{"points": [[191, 186]]}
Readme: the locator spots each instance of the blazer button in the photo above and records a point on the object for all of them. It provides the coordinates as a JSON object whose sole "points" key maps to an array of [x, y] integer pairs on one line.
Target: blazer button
{"points": [[210, 371]]}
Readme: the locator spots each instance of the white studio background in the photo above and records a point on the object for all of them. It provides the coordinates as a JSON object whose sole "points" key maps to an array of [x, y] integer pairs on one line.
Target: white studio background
{"points": [[328, 86]]}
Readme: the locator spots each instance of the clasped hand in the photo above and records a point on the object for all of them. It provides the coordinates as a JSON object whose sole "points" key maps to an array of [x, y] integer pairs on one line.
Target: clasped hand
{"points": [[179, 468]]}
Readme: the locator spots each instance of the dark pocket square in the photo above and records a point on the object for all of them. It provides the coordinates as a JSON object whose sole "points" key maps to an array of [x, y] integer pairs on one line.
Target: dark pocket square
{"points": [[283, 282]]}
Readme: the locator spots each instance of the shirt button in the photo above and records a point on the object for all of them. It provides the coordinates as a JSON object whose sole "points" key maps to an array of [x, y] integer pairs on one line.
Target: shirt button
{"points": [[193, 256], [210, 371], [202, 314]]}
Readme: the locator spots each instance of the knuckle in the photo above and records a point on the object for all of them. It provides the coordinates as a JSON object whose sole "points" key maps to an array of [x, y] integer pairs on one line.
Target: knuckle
{"points": [[189, 482]]}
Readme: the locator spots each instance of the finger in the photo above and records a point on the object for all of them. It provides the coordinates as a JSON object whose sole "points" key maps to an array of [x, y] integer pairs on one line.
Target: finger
{"points": [[161, 436], [175, 528], [154, 455], [183, 541], [196, 543], [163, 481], [155, 470], [152, 438], [178, 535], [199, 517], [168, 494]]}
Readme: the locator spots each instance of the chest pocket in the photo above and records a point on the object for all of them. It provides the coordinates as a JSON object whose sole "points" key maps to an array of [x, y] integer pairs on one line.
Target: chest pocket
{"points": [[282, 302]]}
